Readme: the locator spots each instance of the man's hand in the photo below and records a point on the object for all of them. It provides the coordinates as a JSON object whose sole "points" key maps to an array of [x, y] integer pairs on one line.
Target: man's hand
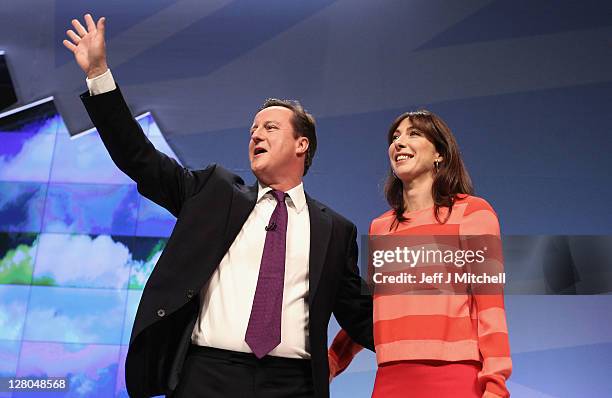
{"points": [[88, 45]]}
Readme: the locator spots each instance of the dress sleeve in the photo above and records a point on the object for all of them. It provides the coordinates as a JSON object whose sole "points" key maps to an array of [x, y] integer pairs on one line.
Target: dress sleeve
{"points": [[341, 353], [343, 349], [480, 219]]}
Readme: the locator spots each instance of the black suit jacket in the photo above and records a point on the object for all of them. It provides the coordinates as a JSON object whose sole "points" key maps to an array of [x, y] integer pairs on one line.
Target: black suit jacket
{"points": [[211, 205]]}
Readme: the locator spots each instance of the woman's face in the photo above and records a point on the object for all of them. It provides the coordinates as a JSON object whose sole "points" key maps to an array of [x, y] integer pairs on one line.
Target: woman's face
{"points": [[411, 154]]}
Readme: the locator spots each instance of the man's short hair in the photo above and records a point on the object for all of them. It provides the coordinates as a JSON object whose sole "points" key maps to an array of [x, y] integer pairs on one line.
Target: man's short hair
{"points": [[303, 123]]}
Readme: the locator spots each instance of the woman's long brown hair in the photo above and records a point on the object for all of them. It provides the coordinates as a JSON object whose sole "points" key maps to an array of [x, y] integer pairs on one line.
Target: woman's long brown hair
{"points": [[452, 177]]}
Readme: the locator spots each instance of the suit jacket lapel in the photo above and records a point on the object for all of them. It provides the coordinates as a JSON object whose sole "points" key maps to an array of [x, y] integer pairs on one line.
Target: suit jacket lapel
{"points": [[243, 201], [320, 232]]}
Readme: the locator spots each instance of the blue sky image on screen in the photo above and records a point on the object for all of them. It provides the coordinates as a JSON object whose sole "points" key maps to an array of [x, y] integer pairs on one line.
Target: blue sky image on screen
{"points": [[77, 245], [91, 208], [21, 205], [75, 315], [28, 138], [9, 353], [13, 299], [84, 160]]}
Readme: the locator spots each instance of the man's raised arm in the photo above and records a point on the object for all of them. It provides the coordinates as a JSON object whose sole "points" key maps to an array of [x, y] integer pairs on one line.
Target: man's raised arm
{"points": [[159, 177]]}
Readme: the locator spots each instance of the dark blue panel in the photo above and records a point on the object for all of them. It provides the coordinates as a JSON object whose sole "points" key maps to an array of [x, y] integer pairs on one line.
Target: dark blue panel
{"points": [[32, 119], [120, 16], [510, 19], [564, 372], [525, 152], [7, 91], [224, 35]]}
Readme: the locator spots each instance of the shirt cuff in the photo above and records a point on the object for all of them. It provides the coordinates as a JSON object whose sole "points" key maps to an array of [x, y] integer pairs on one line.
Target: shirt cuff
{"points": [[101, 84]]}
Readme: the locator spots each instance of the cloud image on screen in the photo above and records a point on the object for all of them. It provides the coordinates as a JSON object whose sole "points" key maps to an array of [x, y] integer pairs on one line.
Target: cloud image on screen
{"points": [[13, 302], [145, 121], [21, 206], [28, 135], [100, 261], [71, 315], [91, 208], [153, 220], [9, 354], [26, 157], [154, 130], [40, 117], [17, 256], [91, 369], [133, 299], [146, 252], [77, 245], [84, 159], [121, 390]]}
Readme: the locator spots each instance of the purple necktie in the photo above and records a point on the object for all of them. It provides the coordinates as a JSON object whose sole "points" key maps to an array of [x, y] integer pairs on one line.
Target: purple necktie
{"points": [[264, 330]]}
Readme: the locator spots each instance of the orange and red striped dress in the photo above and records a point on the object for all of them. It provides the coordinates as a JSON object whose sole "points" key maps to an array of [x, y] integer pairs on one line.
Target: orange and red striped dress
{"points": [[453, 345]]}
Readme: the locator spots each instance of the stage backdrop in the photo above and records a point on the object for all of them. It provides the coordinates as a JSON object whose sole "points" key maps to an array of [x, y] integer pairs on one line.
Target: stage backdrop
{"points": [[526, 87]]}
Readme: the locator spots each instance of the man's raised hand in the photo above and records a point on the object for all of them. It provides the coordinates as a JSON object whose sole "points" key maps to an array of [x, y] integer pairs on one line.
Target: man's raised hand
{"points": [[88, 45]]}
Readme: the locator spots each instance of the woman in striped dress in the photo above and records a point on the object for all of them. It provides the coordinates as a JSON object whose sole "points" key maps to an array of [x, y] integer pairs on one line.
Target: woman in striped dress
{"points": [[433, 345]]}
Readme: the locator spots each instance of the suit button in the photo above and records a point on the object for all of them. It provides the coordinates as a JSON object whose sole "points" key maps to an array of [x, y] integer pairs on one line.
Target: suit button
{"points": [[190, 294], [161, 312]]}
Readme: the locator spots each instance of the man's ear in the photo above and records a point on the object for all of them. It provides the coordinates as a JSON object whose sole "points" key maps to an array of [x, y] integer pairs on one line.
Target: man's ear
{"points": [[302, 145]]}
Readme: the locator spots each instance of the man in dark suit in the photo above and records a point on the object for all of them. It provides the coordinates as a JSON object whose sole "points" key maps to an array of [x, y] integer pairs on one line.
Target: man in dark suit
{"points": [[238, 304]]}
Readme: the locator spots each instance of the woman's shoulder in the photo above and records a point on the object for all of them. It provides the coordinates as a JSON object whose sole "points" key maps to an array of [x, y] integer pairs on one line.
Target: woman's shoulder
{"points": [[386, 215], [473, 203], [382, 223]]}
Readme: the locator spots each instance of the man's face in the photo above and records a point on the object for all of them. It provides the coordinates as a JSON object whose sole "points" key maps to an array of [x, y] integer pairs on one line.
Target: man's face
{"points": [[273, 147]]}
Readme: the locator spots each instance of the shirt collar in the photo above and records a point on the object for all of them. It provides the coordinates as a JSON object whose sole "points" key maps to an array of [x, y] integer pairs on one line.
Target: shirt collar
{"points": [[296, 195]]}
